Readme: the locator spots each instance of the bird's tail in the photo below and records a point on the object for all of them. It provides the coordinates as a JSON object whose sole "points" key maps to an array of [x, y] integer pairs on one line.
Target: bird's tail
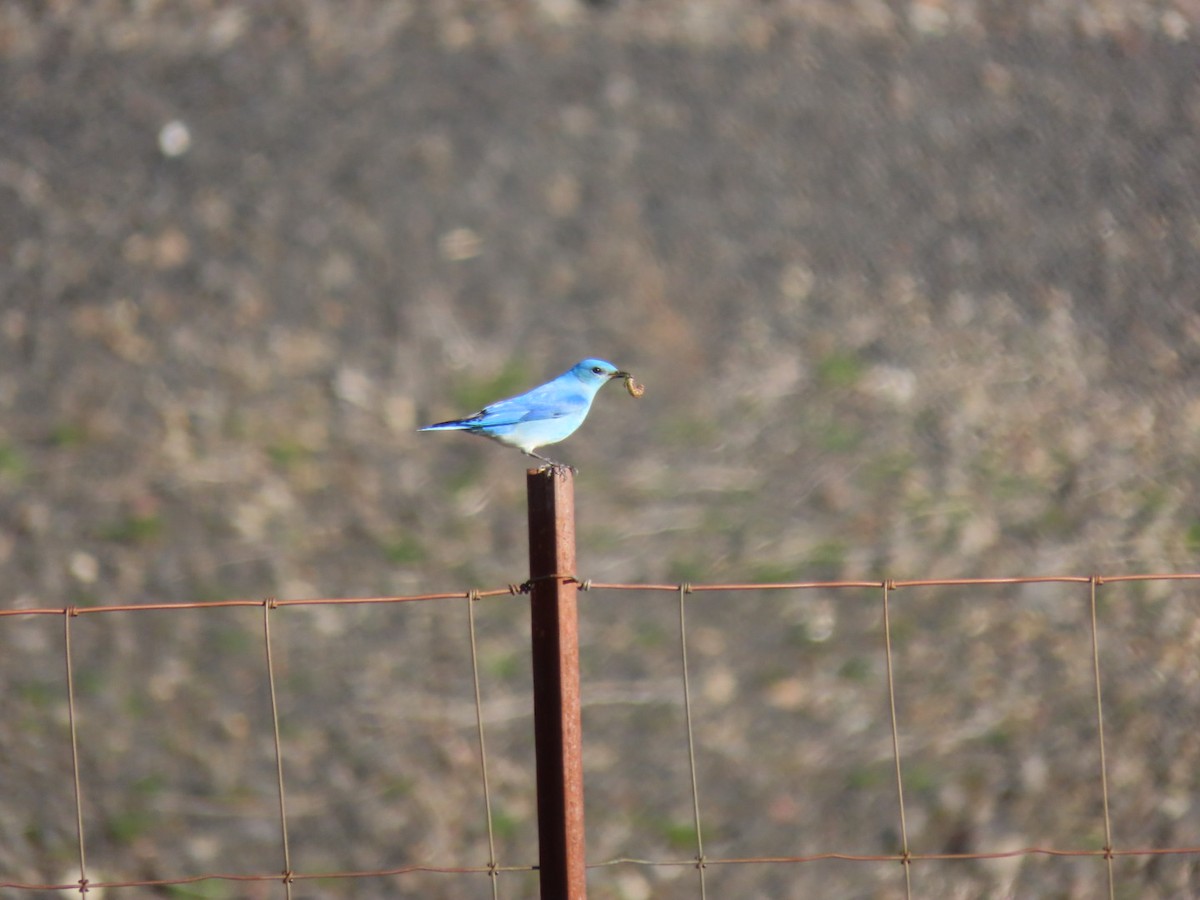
{"points": [[452, 425]]}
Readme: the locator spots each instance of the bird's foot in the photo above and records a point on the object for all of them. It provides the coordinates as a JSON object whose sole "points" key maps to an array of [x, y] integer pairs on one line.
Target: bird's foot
{"points": [[551, 465], [557, 468]]}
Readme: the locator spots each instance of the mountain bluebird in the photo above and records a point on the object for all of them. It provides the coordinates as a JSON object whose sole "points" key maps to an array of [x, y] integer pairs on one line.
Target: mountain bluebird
{"points": [[545, 415]]}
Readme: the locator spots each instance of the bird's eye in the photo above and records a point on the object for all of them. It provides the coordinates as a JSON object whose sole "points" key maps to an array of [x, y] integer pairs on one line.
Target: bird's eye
{"points": [[597, 370]]}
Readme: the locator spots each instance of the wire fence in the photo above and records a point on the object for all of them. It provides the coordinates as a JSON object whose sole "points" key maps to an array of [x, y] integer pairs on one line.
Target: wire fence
{"points": [[905, 857]]}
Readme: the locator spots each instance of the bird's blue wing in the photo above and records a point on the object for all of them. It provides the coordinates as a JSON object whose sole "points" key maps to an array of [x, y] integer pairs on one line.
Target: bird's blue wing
{"points": [[528, 408], [557, 399]]}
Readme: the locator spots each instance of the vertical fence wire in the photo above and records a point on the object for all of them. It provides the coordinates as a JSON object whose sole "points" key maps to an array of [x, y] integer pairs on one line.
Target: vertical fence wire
{"points": [[1108, 842], [906, 860], [684, 590], [483, 766], [69, 614], [267, 606]]}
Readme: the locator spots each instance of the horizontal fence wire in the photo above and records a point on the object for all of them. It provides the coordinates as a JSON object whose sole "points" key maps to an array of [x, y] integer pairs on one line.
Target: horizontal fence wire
{"points": [[700, 861], [589, 585]]}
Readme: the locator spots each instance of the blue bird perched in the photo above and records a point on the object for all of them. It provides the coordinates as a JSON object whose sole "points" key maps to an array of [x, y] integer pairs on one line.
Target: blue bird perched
{"points": [[547, 414]]}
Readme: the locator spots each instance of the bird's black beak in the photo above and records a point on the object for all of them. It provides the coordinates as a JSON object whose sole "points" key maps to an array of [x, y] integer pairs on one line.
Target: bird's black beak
{"points": [[619, 375]]}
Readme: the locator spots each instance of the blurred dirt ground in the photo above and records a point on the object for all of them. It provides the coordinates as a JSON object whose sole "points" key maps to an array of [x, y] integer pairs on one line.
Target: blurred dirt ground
{"points": [[912, 286]]}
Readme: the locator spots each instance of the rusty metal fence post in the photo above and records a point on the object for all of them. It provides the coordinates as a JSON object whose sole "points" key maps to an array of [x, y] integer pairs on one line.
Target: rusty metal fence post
{"points": [[558, 730]]}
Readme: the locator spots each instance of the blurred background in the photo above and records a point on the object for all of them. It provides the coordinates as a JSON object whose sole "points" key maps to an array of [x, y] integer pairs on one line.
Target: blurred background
{"points": [[911, 285]]}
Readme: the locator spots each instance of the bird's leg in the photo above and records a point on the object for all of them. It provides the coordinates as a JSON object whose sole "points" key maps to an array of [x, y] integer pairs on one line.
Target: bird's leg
{"points": [[551, 464]]}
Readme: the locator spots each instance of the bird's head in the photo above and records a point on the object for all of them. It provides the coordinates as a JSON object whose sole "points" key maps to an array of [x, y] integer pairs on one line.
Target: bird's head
{"points": [[597, 371]]}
